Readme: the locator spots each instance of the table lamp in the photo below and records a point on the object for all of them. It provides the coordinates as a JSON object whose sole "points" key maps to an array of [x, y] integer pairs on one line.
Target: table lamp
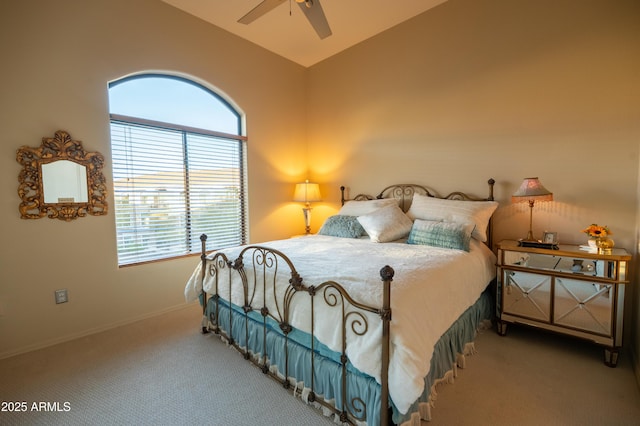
{"points": [[307, 193], [531, 190]]}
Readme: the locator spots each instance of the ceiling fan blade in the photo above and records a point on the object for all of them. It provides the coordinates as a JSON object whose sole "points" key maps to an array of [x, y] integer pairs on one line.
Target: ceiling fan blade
{"points": [[259, 10], [315, 15]]}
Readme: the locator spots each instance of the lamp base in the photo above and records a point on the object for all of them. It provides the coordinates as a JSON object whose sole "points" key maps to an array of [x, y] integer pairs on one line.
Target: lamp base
{"points": [[537, 244], [307, 219]]}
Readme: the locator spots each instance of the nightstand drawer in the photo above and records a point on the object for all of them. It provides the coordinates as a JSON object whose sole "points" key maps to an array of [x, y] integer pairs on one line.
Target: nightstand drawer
{"points": [[584, 306], [527, 295]]}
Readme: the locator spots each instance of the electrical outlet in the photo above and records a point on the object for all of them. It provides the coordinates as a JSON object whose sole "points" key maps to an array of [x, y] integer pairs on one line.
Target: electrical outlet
{"points": [[61, 296]]}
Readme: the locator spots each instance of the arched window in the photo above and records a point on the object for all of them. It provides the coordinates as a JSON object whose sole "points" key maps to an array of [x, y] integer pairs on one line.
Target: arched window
{"points": [[178, 168]]}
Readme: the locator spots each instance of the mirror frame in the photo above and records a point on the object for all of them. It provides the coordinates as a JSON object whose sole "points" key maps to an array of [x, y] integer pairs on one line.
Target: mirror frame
{"points": [[30, 187]]}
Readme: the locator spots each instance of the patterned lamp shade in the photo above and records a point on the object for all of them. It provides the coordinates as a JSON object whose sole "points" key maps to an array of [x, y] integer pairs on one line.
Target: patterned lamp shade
{"points": [[531, 190]]}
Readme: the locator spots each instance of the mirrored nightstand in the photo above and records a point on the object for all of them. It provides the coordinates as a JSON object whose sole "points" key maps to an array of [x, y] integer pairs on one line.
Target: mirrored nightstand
{"points": [[566, 290]]}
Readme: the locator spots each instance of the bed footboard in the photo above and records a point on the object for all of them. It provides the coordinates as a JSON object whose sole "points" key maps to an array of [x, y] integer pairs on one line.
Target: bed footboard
{"points": [[249, 306]]}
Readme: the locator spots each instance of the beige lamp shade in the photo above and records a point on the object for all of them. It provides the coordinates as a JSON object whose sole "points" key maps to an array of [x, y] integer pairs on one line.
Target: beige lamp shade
{"points": [[307, 192]]}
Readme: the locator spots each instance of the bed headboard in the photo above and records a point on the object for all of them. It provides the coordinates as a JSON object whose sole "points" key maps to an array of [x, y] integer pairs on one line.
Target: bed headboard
{"points": [[404, 194]]}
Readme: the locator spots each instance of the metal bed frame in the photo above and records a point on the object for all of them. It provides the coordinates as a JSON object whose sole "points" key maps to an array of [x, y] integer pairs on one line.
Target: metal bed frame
{"points": [[265, 266]]}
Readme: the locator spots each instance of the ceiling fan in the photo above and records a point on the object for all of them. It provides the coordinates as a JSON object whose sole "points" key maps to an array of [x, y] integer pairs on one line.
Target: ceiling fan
{"points": [[311, 8]]}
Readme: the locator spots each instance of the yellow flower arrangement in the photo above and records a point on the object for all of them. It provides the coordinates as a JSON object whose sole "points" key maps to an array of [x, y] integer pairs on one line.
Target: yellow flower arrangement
{"points": [[597, 231]]}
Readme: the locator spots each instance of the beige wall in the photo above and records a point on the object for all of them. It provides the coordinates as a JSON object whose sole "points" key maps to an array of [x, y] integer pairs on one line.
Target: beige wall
{"points": [[467, 91], [58, 57], [493, 88]]}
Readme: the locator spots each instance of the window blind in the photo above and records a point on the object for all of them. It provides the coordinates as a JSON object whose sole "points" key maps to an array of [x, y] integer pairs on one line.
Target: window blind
{"points": [[170, 186]]}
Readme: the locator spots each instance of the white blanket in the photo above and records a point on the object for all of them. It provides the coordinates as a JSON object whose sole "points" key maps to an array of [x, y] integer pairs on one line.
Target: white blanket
{"points": [[431, 288]]}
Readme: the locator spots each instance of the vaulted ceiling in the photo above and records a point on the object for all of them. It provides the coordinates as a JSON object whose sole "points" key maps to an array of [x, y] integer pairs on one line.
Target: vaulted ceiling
{"points": [[286, 31]]}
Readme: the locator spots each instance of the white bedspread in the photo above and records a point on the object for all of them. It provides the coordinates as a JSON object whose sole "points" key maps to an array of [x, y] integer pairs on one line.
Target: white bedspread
{"points": [[431, 288]]}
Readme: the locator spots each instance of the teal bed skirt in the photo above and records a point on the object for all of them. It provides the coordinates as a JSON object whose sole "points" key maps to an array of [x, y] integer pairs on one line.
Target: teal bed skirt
{"points": [[363, 392]]}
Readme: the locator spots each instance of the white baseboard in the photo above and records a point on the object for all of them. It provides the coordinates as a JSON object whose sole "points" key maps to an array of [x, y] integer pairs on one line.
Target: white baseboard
{"points": [[73, 336]]}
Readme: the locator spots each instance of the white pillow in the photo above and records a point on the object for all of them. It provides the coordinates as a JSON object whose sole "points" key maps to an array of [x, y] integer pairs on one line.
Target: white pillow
{"points": [[358, 208], [386, 224], [476, 212]]}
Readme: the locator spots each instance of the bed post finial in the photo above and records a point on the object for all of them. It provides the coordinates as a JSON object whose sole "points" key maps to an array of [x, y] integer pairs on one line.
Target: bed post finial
{"points": [[203, 246], [387, 273], [342, 200], [491, 182]]}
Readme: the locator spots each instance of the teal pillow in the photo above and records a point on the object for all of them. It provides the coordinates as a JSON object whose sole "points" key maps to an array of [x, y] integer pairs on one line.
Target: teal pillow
{"points": [[342, 226], [448, 235]]}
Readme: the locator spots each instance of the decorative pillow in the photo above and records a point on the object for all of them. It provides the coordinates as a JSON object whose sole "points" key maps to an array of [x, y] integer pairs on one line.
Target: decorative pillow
{"points": [[358, 208], [448, 235], [476, 212], [342, 226], [386, 224]]}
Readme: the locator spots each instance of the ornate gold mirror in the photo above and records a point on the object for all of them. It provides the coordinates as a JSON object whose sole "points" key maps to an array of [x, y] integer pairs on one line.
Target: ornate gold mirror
{"points": [[61, 180]]}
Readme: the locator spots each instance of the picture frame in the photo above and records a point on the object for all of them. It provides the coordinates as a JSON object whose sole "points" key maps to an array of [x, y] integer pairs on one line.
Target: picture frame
{"points": [[550, 237]]}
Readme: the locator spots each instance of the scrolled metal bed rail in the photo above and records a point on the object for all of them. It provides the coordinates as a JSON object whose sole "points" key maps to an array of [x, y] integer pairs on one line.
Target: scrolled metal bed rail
{"points": [[258, 269]]}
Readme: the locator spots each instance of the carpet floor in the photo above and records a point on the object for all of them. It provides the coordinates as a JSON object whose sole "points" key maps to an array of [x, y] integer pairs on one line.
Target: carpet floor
{"points": [[163, 371]]}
